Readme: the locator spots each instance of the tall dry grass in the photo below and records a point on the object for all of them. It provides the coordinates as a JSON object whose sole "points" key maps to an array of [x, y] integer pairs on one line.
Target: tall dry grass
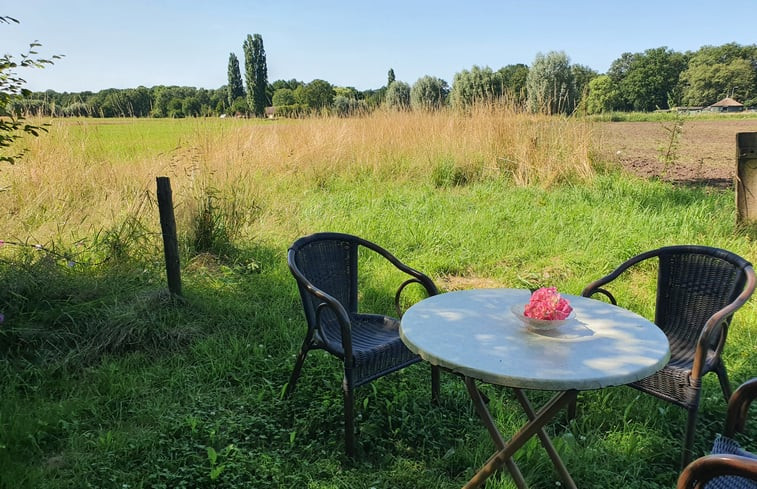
{"points": [[80, 179]]}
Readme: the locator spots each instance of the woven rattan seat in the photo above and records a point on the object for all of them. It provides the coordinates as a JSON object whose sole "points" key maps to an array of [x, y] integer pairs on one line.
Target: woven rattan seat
{"points": [[325, 266], [729, 466], [698, 290]]}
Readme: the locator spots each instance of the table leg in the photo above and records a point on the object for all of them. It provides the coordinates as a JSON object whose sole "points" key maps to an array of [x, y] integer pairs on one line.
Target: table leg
{"points": [[507, 449], [488, 420], [545, 441]]}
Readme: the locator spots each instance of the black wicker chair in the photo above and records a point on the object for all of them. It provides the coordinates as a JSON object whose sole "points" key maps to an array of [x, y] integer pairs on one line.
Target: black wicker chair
{"points": [[325, 266], [698, 290], [729, 466]]}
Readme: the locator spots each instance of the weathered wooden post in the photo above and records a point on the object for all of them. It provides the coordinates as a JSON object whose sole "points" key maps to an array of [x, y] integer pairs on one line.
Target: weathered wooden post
{"points": [[746, 177], [170, 241]]}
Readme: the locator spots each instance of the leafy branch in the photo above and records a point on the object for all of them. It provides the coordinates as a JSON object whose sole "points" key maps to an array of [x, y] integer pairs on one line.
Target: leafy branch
{"points": [[14, 126]]}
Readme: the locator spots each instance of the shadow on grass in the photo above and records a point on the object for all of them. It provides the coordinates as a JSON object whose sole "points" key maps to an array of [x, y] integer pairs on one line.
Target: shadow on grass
{"points": [[72, 315]]}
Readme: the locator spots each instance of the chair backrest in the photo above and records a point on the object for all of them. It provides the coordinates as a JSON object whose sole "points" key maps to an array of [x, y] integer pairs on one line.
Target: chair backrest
{"points": [[327, 261], [693, 283]]}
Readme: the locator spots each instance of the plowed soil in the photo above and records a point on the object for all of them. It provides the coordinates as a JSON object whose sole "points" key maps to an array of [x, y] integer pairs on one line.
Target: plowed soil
{"points": [[703, 154]]}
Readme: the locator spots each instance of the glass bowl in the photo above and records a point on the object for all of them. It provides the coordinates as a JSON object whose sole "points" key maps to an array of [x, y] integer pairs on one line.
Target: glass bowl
{"points": [[542, 324]]}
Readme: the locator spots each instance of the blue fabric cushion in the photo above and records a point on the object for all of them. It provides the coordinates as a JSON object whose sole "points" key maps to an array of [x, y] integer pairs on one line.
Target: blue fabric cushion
{"points": [[726, 446]]}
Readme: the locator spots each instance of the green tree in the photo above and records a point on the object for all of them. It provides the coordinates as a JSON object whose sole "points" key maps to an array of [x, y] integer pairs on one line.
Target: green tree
{"points": [[648, 80], [583, 75], [348, 106], [429, 93], [715, 72], [479, 85], [284, 96], [13, 125], [317, 95], [161, 96], [398, 95], [347, 102], [374, 98], [290, 84], [175, 108], [169, 101], [132, 102], [514, 81], [191, 106], [239, 107], [256, 74], [604, 95], [551, 84], [349, 92], [234, 89]]}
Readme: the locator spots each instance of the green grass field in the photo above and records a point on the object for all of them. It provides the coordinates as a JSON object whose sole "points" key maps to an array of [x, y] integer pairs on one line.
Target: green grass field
{"points": [[107, 383]]}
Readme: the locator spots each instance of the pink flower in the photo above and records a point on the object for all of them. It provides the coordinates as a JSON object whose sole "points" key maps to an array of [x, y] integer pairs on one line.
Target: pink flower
{"points": [[546, 303]]}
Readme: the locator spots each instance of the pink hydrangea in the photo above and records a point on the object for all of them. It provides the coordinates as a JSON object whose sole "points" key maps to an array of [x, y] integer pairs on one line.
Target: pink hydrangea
{"points": [[546, 303]]}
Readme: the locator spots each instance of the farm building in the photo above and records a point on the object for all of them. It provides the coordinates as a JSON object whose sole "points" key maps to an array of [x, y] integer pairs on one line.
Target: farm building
{"points": [[726, 105]]}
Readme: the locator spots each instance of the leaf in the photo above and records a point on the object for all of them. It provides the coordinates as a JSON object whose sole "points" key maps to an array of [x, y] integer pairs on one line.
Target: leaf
{"points": [[212, 455], [215, 472]]}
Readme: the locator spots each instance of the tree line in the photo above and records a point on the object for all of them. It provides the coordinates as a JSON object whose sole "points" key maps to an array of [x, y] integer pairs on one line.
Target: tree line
{"points": [[658, 78]]}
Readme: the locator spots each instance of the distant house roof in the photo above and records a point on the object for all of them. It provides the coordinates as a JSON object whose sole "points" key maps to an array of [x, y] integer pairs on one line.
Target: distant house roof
{"points": [[727, 102]]}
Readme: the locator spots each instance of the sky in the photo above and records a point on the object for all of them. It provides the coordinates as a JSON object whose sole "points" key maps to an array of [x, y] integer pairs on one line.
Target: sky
{"points": [[120, 44]]}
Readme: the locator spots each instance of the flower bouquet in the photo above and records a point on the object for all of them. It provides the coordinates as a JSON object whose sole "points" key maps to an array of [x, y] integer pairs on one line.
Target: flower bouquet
{"points": [[545, 310]]}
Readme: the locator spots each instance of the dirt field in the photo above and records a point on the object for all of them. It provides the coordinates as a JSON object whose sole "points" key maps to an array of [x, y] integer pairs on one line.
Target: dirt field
{"points": [[706, 153]]}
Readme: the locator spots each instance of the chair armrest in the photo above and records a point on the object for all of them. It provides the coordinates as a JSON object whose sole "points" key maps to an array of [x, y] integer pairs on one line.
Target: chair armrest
{"points": [[706, 468], [326, 302], [415, 275], [738, 407], [590, 291], [597, 286], [344, 323], [427, 284], [714, 325]]}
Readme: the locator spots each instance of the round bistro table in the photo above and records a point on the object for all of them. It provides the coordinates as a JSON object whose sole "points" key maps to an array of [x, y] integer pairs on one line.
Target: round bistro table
{"points": [[475, 333]]}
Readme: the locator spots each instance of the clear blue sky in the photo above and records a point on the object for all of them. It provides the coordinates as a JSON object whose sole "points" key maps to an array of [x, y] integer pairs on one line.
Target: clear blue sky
{"points": [[123, 44]]}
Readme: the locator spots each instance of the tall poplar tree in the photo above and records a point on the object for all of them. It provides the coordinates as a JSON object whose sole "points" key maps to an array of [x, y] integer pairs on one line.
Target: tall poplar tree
{"points": [[390, 77], [234, 89], [256, 73]]}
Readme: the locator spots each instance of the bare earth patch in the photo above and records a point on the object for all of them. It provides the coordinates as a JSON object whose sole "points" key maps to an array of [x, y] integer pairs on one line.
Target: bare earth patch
{"points": [[706, 153]]}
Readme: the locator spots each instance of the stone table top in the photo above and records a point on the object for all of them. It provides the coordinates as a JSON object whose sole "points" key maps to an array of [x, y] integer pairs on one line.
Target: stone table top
{"points": [[475, 333]]}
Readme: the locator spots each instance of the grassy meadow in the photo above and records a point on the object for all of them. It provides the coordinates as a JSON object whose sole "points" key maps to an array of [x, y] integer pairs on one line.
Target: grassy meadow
{"points": [[105, 382]]}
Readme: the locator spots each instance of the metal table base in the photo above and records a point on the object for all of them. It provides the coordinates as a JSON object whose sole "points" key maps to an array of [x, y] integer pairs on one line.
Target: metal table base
{"points": [[535, 426]]}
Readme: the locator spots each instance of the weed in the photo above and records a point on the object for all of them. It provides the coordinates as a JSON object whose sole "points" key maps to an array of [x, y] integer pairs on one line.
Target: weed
{"points": [[668, 151]]}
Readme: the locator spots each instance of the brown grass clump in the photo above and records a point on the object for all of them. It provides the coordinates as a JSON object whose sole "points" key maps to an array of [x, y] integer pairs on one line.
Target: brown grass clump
{"points": [[84, 176], [531, 149]]}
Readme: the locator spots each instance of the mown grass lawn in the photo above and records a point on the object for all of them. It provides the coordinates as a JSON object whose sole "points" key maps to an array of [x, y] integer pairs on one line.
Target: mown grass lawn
{"points": [[107, 383]]}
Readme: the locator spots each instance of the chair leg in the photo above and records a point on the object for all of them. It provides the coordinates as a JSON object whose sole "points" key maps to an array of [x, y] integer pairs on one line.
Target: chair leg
{"points": [[296, 371], [349, 419], [435, 390], [688, 438], [572, 408], [725, 385]]}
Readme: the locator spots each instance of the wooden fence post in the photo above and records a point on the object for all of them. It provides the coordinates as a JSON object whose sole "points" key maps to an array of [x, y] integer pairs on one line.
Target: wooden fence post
{"points": [[170, 241], [746, 177]]}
